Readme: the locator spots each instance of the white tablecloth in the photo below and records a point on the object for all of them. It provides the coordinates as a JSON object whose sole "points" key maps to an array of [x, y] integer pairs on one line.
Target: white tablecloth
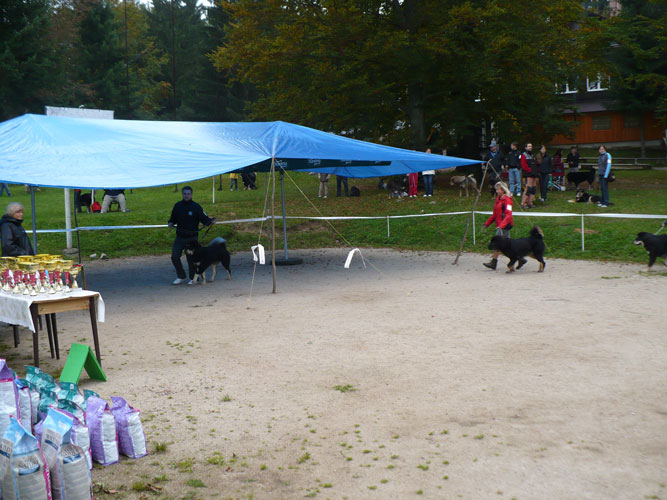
{"points": [[15, 308]]}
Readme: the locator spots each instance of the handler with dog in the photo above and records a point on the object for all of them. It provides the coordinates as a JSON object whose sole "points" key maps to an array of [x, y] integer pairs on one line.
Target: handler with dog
{"points": [[502, 216], [185, 217]]}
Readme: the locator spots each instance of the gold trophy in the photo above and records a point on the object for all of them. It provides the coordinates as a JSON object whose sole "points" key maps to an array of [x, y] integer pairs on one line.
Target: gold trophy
{"points": [[4, 275], [76, 269], [25, 277], [32, 277], [10, 262]]}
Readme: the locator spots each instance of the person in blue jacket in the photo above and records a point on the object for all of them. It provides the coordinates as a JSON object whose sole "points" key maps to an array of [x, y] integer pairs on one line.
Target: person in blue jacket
{"points": [[604, 171]]}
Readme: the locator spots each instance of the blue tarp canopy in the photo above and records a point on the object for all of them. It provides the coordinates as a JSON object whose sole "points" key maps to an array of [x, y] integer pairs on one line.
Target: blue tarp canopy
{"points": [[94, 153]]}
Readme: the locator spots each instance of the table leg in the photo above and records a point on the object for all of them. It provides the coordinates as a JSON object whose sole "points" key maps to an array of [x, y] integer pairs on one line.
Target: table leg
{"points": [[47, 318], [17, 341], [93, 323], [55, 334], [35, 334]]}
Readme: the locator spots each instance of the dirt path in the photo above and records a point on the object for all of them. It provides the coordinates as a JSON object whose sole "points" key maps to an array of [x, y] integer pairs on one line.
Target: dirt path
{"points": [[464, 383]]}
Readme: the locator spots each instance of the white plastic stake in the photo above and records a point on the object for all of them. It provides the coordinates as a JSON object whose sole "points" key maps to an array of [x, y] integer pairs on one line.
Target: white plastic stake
{"points": [[348, 261], [262, 256]]}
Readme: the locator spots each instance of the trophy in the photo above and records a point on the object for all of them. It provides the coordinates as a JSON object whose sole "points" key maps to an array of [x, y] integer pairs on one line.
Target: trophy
{"points": [[58, 272], [32, 268], [9, 263], [76, 268], [67, 269], [4, 275], [50, 266], [25, 277]]}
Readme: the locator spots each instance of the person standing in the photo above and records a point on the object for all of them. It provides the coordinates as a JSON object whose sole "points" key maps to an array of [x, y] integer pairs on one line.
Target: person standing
{"points": [[502, 216], [14, 239], [514, 169], [428, 176], [530, 171], [413, 179], [497, 159], [573, 160], [324, 185], [5, 187], [544, 169], [341, 181], [233, 181], [604, 170], [185, 217]]}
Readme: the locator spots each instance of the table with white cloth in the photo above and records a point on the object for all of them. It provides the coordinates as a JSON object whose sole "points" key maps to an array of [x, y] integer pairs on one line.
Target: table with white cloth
{"points": [[24, 310]]}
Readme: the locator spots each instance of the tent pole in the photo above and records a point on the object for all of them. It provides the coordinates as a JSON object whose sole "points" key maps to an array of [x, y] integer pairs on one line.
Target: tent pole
{"points": [[472, 214], [286, 260], [34, 219], [273, 220], [68, 221]]}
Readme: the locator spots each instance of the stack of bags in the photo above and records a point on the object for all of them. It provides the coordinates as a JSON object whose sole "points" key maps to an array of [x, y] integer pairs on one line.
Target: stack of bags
{"points": [[50, 434]]}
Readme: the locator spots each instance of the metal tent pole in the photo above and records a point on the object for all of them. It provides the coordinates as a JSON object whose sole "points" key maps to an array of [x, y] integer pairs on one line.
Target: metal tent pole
{"points": [[286, 260], [34, 219]]}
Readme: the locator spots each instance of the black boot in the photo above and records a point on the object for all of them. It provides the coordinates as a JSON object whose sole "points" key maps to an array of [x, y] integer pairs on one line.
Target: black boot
{"points": [[492, 264]]}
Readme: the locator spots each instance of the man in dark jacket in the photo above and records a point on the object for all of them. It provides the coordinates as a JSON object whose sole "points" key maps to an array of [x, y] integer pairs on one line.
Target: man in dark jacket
{"points": [[544, 169], [514, 170], [15, 240], [497, 159], [185, 217]]}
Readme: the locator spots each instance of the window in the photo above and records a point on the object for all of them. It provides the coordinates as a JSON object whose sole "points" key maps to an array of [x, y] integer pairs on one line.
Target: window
{"points": [[597, 84], [601, 123], [631, 121]]}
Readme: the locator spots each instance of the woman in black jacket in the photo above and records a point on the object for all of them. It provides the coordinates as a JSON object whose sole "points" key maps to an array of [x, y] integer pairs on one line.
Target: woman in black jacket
{"points": [[15, 240], [544, 168]]}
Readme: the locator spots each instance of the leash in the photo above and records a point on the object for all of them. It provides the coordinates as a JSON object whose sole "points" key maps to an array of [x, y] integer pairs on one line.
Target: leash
{"points": [[664, 223]]}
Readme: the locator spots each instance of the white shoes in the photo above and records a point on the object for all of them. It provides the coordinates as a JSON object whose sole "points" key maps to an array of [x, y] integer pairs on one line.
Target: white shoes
{"points": [[178, 281], [189, 282]]}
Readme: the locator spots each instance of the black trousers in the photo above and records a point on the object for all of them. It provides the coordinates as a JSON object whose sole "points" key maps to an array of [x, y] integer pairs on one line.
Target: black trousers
{"points": [[177, 251], [341, 180], [544, 185]]}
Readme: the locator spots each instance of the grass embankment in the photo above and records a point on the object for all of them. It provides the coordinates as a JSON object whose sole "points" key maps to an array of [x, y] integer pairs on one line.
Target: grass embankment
{"points": [[634, 192]]}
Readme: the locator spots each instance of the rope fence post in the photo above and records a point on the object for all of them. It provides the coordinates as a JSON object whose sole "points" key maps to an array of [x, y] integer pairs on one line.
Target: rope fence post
{"points": [[582, 232], [474, 232], [388, 236]]}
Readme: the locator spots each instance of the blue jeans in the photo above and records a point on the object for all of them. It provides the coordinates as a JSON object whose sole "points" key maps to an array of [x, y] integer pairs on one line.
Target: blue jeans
{"points": [[515, 181], [428, 184], [4, 187], [604, 187]]}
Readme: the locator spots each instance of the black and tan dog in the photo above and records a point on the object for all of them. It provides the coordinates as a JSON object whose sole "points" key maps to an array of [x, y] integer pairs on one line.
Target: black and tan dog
{"points": [[583, 197], [517, 249], [464, 182], [655, 245], [210, 256]]}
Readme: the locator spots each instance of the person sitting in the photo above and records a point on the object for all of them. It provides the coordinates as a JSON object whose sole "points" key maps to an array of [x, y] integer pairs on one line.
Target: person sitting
{"points": [[15, 240], [114, 195]]}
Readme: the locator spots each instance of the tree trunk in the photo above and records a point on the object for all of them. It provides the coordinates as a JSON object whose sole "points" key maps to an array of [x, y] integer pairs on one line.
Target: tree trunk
{"points": [[642, 135], [417, 115]]}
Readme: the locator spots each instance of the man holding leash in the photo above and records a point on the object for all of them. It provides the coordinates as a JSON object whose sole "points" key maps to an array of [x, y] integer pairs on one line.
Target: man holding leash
{"points": [[502, 216], [185, 217]]}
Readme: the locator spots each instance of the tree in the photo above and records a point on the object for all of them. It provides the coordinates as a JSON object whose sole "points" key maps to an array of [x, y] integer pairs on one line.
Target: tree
{"points": [[28, 65], [400, 71], [636, 51]]}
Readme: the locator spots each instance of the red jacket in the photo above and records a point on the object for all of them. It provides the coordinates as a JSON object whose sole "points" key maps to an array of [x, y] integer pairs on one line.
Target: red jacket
{"points": [[502, 213]]}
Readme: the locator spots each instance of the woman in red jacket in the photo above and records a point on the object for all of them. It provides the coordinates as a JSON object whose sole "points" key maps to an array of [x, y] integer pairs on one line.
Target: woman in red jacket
{"points": [[502, 216]]}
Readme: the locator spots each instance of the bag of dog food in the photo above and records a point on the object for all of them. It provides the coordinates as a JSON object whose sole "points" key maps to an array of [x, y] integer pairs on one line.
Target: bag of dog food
{"points": [[47, 398], [38, 377], [69, 392], [102, 427], [23, 471], [34, 403], [9, 396], [25, 403], [80, 433], [70, 477], [131, 437], [86, 394]]}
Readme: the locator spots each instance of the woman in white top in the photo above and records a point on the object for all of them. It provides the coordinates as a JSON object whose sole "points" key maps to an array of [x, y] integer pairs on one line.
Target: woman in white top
{"points": [[428, 176]]}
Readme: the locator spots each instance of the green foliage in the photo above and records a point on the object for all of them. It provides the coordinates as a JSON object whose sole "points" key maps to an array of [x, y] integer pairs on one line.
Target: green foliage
{"points": [[437, 68]]}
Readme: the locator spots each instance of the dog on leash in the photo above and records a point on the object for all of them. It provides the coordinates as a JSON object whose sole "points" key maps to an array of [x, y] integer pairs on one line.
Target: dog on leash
{"points": [[464, 182], [210, 256], [577, 178], [655, 245], [517, 249]]}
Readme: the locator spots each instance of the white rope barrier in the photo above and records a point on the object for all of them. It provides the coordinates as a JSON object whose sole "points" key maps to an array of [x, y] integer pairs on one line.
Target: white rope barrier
{"points": [[385, 217]]}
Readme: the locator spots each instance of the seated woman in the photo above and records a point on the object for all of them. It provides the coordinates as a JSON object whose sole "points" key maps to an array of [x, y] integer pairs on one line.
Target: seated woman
{"points": [[15, 240]]}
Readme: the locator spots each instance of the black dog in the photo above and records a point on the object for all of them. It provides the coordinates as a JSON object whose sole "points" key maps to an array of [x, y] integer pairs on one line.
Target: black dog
{"points": [[584, 197], [395, 187], [577, 178], [83, 200], [517, 249], [203, 257], [656, 246]]}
